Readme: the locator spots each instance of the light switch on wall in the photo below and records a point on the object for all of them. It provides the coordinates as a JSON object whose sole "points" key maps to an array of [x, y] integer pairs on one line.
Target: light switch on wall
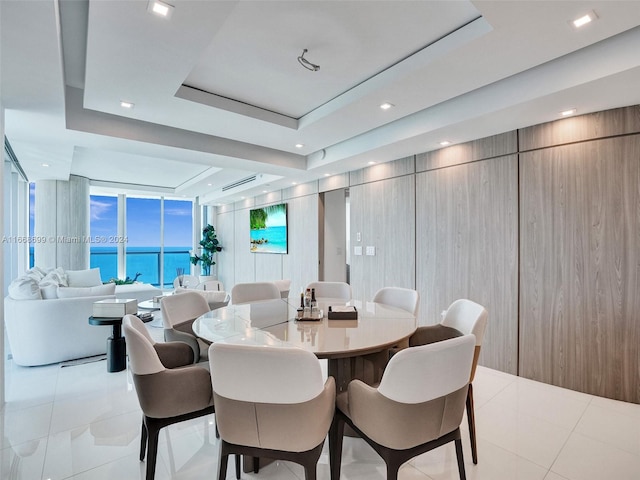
{"points": [[357, 250], [371, 250], [358, 237]]}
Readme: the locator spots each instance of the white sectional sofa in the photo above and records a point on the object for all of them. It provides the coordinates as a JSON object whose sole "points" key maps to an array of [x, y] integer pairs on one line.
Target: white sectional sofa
{"points": [[51, 330]]}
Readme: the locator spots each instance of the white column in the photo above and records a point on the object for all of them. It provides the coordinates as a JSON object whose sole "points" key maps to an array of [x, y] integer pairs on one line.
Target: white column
{"points": [[62, 219]]}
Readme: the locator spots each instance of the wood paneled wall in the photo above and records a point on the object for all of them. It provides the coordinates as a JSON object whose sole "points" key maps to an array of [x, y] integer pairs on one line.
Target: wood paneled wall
{"points": [[383, 213], [580, 266], [467, 247]]}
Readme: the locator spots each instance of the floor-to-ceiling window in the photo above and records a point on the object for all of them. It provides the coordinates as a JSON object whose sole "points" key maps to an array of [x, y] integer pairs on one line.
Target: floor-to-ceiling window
{"points": [[103, 212], [156, 234]]}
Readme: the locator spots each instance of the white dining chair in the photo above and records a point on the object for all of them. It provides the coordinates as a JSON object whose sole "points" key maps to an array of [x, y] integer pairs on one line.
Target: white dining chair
{"points": [[253, 292], [337, 290], [178, 314], [284, 286], [404, 298]]}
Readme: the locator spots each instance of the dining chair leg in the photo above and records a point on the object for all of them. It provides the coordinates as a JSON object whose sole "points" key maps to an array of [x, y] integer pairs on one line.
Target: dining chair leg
{"points": [[153, 433], [237, 466], [143, 441], [223, 457], [336, 434], [471, 418], [460, 458]]}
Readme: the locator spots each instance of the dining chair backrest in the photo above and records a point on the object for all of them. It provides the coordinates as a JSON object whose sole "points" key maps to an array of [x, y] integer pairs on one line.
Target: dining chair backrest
{"points": [[253, 292], [419, 374], [284, 286], [467, 317], [404, 298], [183, 307], [211, 285], [279, 375], [143, 359], [338, 290]]}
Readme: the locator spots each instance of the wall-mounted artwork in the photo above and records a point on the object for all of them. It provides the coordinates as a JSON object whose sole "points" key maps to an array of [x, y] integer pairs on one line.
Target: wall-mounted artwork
{"points": [[268, 229]]}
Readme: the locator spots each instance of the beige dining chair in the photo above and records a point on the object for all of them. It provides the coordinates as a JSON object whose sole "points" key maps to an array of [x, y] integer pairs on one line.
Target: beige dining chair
{"points": [[178, 314], [282, 409], [336, 290], [404, 298], [417, 407], [166, 396], [253, 292], [463, 317]]}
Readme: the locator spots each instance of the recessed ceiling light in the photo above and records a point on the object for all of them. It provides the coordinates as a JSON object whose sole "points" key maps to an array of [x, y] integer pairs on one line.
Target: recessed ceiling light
{"points": [[299, 145], [566, 113], [294, 183], [124, 104], [371, 163], [386, 106], [327, 174], [209, 184], [44, 165], [444, 143], [584, 19], [160, 9]]}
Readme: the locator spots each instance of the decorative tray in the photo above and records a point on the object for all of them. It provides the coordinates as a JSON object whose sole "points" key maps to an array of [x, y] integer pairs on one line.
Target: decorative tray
{"points": [[313, 318]]}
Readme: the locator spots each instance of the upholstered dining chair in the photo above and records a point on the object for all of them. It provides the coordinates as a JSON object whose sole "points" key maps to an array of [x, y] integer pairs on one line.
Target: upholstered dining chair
{"points": [[282, 408], [403, 298], [253, 292], [178, 314], [338, 290], [417, 407], [166, 396], [461, 318]]}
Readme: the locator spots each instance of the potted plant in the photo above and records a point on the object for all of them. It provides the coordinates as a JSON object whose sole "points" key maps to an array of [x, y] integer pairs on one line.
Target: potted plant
{"points": [[209, 245]]}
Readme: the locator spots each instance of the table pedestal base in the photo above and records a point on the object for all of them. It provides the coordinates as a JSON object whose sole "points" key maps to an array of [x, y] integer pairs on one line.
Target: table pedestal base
{"points": [[116, 354]]}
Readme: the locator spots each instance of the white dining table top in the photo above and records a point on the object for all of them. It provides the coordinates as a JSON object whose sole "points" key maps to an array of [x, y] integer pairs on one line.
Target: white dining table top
{"points": [[274, 323]]}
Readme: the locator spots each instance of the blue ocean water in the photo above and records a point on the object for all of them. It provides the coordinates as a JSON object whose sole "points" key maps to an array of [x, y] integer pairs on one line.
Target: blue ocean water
{"points": [[276, 239], [143, 260]]}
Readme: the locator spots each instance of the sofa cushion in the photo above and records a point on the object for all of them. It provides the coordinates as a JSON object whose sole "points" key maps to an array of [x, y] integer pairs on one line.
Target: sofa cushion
{"points": [[55, 276], [24, 288], [49, 290], [84, 278], [73, 292]]}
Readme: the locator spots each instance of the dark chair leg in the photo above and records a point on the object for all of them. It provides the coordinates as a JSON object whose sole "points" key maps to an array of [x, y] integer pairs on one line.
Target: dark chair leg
{"points": [[460, 457], [153, 432], [336, 434], [471, 418], [256, 464], [143, 440], [392, 471], [310, 472], [238, 466], [223, 457]]}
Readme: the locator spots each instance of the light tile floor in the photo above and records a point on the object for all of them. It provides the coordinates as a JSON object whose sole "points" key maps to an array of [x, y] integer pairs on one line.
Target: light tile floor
{"points": [[82, 423]]}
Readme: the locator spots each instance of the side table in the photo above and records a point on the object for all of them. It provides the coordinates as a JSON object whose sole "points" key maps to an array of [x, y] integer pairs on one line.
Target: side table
{"points": [[116, 346]]}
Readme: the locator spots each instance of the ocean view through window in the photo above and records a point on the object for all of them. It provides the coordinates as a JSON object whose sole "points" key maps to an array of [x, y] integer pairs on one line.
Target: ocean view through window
{"points": [[148, 251]]}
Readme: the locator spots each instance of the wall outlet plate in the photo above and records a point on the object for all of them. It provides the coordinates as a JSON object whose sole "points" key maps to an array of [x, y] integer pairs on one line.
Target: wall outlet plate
{"points": [[371, 250], [357, 250]]}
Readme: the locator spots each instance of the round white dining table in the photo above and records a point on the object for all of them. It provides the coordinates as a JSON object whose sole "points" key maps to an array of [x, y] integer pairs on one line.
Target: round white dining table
{"points": [[354, 348]]}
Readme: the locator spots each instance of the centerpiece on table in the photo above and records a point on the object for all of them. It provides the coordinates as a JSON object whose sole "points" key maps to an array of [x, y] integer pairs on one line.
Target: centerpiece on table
{"points": [[209, 246]]}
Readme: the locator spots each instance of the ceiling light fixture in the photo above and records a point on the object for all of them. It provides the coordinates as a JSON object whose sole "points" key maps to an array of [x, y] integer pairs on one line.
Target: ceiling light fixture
{"points": [[566, 113], [128, 105], [294, 183], [306, 63], [160, 9], [386, 106], [444, 143], [299, 145], [327, 174], [584, 19], [371, 163], [44, 165]]}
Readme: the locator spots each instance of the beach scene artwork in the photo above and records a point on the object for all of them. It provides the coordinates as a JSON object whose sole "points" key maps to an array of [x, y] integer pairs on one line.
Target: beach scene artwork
{"points": [[268, 228]]}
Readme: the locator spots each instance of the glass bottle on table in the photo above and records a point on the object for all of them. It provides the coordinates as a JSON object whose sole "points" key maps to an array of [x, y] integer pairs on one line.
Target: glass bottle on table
{"points": [[307, 303], [314, 303]]}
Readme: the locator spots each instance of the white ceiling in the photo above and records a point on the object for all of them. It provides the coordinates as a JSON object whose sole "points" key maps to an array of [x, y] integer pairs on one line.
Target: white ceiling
{"points": [[219, 94]]}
